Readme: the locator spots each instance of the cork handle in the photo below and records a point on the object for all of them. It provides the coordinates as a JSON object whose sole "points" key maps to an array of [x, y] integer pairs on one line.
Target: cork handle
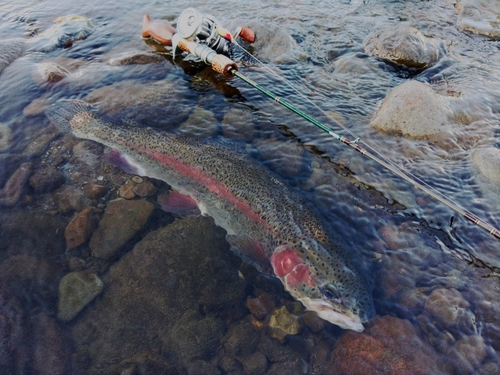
{"points": [[223, 65]]}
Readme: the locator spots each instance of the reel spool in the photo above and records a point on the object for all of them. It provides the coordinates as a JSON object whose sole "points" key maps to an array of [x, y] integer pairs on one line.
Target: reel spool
{"points": [[193, 26]]}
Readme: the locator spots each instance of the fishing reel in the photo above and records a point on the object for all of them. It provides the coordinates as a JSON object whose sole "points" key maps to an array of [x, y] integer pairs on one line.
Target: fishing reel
{"points": [[203, 29]]}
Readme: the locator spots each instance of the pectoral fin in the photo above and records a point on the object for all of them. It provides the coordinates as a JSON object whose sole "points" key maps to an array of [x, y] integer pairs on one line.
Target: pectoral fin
{"points": [[179, 204], [251, 251]]}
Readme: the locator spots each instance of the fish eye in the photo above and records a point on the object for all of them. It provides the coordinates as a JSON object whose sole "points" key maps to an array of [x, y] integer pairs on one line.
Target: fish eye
{"points": [[330, 292]]}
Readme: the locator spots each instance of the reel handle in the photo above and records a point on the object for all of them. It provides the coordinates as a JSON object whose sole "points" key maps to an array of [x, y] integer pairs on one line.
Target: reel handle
{"points": [[161, 32]]}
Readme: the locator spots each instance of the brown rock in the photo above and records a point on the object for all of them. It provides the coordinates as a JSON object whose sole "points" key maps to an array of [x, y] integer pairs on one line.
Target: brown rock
{"points": [[261, 306], [46, 179], [238, 124], [49, 346], [284, 157], [391, 346], [145, 189], [127, 190], [80, 228], [121, 221], [479, 17], [95, 191], [69, 198], [468, 353], [11, 192], [447, 305]]}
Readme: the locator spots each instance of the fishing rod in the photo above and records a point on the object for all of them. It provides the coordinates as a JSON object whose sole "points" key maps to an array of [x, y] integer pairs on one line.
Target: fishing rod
{"points": [[203, 37]]}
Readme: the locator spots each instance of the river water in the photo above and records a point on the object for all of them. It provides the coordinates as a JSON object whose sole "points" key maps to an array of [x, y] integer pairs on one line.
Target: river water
{"points": [[434, 274]]}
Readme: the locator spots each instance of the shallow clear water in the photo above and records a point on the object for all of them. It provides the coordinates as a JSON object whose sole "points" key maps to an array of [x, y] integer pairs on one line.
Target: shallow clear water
{"points": [[407, 242]]}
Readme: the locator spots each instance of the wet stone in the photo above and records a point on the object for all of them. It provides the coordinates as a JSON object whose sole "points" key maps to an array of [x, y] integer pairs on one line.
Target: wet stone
{"points": [[11, 192], [138, 57], [80, 228], [50, 354], [286, 158], [241, 340], [41, 141], [200, 124], [260, 307], [283, 323], [479, 17], [5, 136], [151, 300], [487, 162], [255, 364], [200, 367], [413, 110], [77, 290], [313, 321], [127, 190], [10, 49], [238, 124], [390, 346], [46, 179], [66, 30], [403, 45], [69, 198], [122, 219], [468, 353], [48, 72], [36, 107], [95, 191], [145, 189], [447, 305]]}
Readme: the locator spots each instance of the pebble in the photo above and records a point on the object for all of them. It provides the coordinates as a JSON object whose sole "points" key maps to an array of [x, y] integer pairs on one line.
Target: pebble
{"points": [[283, 323], [446, 304], [413, 110], [402, 45], [46, 179], [95, 191], [80, 228], [121, 221], [468, 353], [48, 72], [255, 364], [77, 290], [145, 189], [69, 198], [11, 192], [41, 141], [260, 307], [313, 321], [241, 340], [127, 190]]}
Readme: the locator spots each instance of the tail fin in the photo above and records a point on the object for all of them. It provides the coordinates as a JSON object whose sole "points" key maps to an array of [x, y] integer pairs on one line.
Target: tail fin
{"points": [[63, 111]]}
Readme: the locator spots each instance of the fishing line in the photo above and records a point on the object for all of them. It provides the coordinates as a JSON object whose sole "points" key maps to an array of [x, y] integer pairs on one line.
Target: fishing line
{"points": [[374, 155]]}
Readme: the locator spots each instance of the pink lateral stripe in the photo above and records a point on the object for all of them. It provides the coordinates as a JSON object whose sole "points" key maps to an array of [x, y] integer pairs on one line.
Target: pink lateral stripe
{"points": [[214, 186]]}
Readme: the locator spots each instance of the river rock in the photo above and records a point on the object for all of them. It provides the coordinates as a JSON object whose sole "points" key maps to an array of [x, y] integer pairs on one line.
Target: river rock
{"points": [[402, 45], [162, 104], [413, 110], [468, 353], [283, 323], [95, 191], [80, 228], [200, 124], [49, 347], [11, 192], [238, 124], [138, 57], [145, 189], [41, 141], [10, 49], [66, 30], [69, 198], [487, 162], [77, 290], [153, 287], [479, 17], [9, 163], [37, 107], [390, 346], [255, 364], [45, 237], [286, 158], [30, 278], [121, 221], [446, 304], [241, 340], [48, 72], [5, 136], [46, 179]]}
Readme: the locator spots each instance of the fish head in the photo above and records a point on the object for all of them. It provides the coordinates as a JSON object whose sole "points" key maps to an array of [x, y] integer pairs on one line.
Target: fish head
{"points": [[325, 284]]}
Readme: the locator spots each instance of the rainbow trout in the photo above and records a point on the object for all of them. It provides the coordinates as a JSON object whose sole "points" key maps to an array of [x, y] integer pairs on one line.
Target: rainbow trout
{"points": [[267, 223]]}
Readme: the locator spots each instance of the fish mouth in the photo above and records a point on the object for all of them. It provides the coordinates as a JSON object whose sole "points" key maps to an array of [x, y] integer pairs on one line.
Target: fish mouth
{"points": [[327, 312]]}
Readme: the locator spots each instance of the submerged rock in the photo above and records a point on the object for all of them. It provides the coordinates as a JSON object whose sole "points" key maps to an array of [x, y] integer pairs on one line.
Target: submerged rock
{"points": [[403, 45], [48, 72], [66, 30], [200, 124], [11, 192], [138, 57], [10, 50], [77, 290], [5, 136], [448, 306], [150, 289], [80, 228], [283, 323], [414, 110], [391, 346], [122, 220], [479, 17], [487, 162], [238, 124], [46, 179], [286, 158]]}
